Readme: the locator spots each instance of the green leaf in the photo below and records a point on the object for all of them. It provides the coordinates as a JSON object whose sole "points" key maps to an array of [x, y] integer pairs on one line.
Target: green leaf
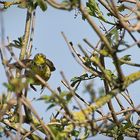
{"points": [[94, 10], [51, 106], [17, 43], [121, 8], [110, 74], [75, 80], [74, 2], [104, 52], [68, 97], [46, 98], [30, 5], [126, 58], [87, 61], [113, 36], [75, 133], [127, 125], [42, 4], [9, 86], [59, 132]]}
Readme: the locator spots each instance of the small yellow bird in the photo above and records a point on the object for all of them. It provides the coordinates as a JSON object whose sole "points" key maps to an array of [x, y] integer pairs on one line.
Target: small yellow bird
{"points": [[39, 65]]}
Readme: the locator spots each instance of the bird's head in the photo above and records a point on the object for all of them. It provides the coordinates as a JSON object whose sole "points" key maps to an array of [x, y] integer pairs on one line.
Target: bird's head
{"points": [[39, 59]]}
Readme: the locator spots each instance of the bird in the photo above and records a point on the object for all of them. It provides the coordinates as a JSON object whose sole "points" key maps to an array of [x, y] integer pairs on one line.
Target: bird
{"points": [[39, 65]]}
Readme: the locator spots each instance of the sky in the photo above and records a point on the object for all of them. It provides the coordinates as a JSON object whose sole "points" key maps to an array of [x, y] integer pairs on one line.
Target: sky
{"points": [[49, 41]]}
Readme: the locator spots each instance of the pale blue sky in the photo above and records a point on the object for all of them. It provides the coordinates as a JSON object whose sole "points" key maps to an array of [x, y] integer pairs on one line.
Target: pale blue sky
{"points": [[48, 40]]}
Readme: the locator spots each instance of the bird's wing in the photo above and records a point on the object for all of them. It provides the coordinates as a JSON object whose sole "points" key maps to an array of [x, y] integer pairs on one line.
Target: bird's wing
{"points": [[50, 64]]}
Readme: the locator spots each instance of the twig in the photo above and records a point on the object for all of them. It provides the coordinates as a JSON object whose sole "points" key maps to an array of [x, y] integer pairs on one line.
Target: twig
{"points": [[105, 42], [73, 93], [135, 40], [26, 35], [31, 34], [45, 127], [61, 6], [95, 27], [79, 97], [75, 55], [2, 47], [131, 1]]}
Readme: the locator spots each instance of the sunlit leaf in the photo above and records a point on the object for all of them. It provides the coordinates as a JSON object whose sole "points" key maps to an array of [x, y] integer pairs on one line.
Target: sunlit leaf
{"points": [[94, 10]]}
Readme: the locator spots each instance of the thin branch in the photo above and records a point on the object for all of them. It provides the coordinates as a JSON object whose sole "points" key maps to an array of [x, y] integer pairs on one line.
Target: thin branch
{"points": [[31, 34], [45, 127], [76, 56], [26, 35], [95, 27], [61, 6]]}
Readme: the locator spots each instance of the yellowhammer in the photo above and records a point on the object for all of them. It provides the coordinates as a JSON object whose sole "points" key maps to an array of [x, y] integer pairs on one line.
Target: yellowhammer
{"points": [[39, 65]]}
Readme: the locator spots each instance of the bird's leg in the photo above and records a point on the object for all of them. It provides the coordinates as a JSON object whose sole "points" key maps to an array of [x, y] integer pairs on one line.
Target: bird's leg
{"points": [[33, 87], [42, 89]]}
